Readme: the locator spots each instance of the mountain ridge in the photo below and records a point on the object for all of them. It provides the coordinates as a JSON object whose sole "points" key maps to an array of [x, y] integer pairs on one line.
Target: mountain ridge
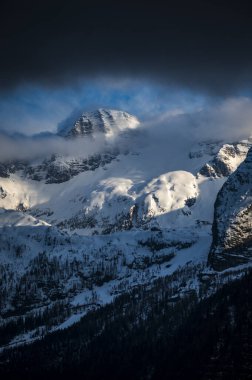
{"points": [[83, 232]]}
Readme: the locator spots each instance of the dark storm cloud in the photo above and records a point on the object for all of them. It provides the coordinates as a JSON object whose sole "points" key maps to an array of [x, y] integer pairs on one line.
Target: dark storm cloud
{"points": [[202, 44]]}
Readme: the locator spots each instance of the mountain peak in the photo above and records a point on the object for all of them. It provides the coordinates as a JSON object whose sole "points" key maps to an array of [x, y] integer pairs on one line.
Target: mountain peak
{"points": [[103, 120]]}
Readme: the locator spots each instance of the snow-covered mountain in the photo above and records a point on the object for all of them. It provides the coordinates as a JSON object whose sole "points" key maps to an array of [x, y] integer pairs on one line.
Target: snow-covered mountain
{"points": [[77, 230], [102, 127], [109, 122]]}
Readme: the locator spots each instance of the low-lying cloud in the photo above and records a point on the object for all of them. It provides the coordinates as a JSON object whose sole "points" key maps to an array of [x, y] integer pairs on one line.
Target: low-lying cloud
{"points": [[40, 147], [229, 120]]}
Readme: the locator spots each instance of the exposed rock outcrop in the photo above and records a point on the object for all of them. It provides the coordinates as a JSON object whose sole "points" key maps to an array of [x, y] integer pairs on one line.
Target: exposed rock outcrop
{"points": [[232, 227]]}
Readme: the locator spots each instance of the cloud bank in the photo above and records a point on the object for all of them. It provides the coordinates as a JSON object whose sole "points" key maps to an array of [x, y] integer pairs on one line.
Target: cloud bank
{"points": [[229, 120], [176, 129]]}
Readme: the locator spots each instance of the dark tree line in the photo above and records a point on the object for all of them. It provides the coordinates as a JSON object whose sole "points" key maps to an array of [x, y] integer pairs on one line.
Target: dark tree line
{"points": [[148, 334]]}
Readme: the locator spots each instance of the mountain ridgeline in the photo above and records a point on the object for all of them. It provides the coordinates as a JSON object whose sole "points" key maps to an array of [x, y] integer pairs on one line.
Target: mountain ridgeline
{"points": [[110, 258]]}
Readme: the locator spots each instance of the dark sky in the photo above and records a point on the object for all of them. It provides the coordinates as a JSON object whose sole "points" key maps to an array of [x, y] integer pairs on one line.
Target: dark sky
{"points": [[205, 45]]}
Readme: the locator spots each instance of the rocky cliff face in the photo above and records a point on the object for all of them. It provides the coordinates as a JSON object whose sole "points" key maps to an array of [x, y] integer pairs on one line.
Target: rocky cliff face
{"points": [[102, 120], [228, 158], [232, 226]]}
